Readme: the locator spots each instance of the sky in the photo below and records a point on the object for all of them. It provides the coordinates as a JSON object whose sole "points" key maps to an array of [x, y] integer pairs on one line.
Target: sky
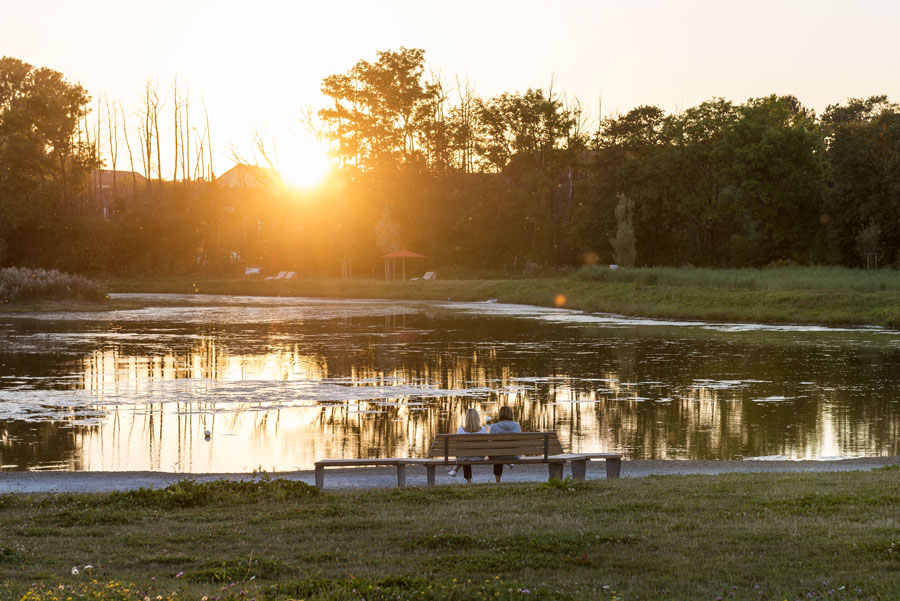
{"points": [[257, 65]]}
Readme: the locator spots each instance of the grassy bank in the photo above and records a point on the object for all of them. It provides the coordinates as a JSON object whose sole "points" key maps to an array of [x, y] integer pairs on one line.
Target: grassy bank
{"points": [[739, 536], [788, 295]]}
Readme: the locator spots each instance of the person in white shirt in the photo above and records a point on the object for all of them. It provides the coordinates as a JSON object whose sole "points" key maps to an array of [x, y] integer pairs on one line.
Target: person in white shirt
{"points": [[472, 425]]}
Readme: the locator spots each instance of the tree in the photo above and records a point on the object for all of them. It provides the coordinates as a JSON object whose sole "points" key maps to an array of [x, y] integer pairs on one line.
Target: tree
{"points": [[623, 244], [862, 204], [377, 107], [43, 164], [530, 126], [777, 171]]}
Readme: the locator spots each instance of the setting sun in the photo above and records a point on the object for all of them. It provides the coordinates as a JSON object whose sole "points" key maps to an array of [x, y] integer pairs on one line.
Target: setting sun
{"points": [[304, 166]]}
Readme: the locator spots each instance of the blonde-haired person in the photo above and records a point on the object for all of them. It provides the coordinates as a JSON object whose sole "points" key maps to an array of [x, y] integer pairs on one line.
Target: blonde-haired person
{"points": [[471, 425]]}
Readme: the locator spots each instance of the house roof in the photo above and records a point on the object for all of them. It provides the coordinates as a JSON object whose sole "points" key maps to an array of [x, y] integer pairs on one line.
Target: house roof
{"points": [[250, 176], [403, 254]]}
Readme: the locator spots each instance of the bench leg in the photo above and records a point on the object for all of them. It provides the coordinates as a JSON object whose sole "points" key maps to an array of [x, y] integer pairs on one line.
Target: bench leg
{"points": [[613, 468], [579, 467], [401, 475], [429, 470], [556, 471], [320, 477]]}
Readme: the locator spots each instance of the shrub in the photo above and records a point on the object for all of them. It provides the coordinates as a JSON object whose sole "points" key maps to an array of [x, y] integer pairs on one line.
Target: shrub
{"points": [[24, 284], [189, 493]]}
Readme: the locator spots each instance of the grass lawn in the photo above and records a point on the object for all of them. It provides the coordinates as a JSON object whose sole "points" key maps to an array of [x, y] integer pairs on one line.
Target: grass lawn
{"points": [[834, 296], [738, 536]]}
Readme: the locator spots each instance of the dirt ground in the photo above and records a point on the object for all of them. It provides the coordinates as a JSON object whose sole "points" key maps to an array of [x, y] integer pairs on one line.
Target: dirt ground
{"points": [[59, 482]]}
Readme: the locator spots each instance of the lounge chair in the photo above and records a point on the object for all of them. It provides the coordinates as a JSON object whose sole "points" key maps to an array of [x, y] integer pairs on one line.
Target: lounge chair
{"points": [[430, 276], [290, 275], [280, 276]]}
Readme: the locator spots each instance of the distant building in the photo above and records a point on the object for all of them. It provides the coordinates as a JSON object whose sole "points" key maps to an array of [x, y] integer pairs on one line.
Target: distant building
{"points": [[105, 186], [250, 176]]}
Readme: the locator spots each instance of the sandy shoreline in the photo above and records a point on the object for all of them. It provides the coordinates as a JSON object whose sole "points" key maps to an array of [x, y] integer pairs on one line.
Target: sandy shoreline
{"points": [[94, 482]]}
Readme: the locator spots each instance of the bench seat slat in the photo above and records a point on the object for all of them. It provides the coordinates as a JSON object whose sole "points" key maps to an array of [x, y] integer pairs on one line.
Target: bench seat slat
{"points": [[570, 456], [361, 462], [494, 452], [500, 444], [498, 461]]}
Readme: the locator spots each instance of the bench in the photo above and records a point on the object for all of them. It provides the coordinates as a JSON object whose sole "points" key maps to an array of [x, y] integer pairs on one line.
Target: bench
{"points": [[531, 447], [399, 462]]}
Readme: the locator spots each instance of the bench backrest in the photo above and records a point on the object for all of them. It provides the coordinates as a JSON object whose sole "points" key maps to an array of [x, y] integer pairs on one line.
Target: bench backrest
{"points": [[478, 445]]}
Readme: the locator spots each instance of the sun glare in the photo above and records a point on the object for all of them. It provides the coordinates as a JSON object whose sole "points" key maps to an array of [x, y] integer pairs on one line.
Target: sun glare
{"points": [[304, 166]]}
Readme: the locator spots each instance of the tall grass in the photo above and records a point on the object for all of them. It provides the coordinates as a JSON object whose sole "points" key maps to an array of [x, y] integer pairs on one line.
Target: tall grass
{"points": [[21, 284], [828, 279]]}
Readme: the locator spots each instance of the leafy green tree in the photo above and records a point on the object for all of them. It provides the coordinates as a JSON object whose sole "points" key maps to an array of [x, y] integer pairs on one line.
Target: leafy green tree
{"points": [[375, 109], [623, 244], [862, 204], [532, 127], [43, 164], [777, 176]]}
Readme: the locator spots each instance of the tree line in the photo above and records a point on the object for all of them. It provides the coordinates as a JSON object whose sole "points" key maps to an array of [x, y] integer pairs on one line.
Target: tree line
{"points": [[515, 182]]}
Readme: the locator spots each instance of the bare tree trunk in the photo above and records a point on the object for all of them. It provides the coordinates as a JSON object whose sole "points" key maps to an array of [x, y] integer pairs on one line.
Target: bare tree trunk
{"points": [[156, 109], [98, 136], [87, 142], [112, 126], [186, 138], [212, 174], [199, 163], [147, 138], [130, 155], [175, 129]]}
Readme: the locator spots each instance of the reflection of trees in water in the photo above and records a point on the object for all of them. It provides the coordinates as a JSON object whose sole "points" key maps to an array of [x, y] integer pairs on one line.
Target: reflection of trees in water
{"points": [[51, 445], [600, 389]]}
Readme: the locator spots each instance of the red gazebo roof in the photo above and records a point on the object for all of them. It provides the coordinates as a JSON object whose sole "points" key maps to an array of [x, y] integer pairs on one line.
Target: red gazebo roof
{"points": [[403, 254]]}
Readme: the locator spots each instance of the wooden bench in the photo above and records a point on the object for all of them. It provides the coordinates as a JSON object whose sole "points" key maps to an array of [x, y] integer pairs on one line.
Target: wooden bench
{"points": [[399, 462], [523, 447], [530, 447], [579, 463]]}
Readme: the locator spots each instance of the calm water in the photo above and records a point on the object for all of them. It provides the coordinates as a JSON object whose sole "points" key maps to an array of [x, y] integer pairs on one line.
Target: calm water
{"points": [[280, 383]]}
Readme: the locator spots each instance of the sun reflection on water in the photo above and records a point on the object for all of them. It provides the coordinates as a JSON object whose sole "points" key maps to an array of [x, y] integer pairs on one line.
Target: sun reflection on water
{"points": [[280, 396]]}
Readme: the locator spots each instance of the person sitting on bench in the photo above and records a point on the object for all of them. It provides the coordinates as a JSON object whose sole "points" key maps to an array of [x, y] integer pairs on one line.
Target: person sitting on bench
{"points": [[505, 425], [472, 425]]}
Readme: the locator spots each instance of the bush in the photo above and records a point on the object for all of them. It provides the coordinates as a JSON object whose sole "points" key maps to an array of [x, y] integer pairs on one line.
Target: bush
{"points": [[22, 284], [189, 493]]}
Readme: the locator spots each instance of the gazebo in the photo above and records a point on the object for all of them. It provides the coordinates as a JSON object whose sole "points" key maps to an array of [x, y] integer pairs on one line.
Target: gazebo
{"points": [[390, 263]]}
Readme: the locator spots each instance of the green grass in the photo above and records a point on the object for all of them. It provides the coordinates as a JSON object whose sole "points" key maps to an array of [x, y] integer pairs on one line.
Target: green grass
{"points": [[738, 536], [821, 295]]}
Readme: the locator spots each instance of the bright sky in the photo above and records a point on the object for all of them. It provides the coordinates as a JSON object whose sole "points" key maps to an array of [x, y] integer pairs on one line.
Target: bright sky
{"points": [[256, 64]]}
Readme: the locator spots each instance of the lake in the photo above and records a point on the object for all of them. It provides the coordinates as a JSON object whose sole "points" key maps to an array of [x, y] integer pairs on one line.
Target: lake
{"points": [[282, 382]]}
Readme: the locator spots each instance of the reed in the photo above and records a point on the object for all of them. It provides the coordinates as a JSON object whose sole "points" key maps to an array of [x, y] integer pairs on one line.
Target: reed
{"points": [[21, 284]]}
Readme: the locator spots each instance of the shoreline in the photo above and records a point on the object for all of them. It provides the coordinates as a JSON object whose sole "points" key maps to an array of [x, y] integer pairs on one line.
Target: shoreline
{"points": [[792, 295], [47, 482]]}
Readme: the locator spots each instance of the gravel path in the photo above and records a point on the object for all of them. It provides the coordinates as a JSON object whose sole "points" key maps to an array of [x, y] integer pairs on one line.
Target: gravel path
{"points": [[60, 482]]}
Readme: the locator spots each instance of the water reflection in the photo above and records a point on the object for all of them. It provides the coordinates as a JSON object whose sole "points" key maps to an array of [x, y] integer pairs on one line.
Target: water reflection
{"points": [[137, 390]]}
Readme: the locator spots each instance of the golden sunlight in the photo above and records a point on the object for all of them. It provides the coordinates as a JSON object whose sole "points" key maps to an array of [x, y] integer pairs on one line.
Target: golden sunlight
{"points": [[304, 165]]}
